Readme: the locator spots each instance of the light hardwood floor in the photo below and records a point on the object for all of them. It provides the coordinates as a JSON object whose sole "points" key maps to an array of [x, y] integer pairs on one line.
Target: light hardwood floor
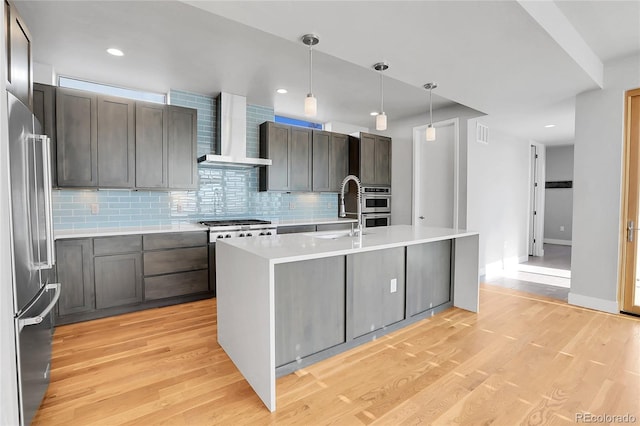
{"points": [[523, 359]]}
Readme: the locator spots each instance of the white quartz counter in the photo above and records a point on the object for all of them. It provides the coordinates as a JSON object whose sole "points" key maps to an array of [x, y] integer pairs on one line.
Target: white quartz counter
{"points": [[296, 222], [129, 230], [313, 245]]}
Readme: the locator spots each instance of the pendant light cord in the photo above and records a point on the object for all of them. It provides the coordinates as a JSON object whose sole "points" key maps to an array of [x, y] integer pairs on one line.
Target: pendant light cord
{"points": [[310, 69], [430, 109], [381, 93]]}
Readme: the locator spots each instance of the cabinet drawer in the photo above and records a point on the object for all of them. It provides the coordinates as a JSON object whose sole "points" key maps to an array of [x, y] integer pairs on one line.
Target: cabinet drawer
{"points": [[174, 240], [335, 226], [178, 260], [296, 229], [117, 245], [175, 284]]}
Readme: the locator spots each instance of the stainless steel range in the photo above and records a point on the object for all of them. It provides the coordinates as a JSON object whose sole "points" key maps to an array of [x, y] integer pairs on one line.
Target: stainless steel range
{"points": [[238, 228], [233, 228]]}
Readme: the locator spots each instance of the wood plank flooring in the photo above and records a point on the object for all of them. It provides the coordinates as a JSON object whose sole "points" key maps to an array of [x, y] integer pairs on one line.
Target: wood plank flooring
{"points": [[523, 359]]}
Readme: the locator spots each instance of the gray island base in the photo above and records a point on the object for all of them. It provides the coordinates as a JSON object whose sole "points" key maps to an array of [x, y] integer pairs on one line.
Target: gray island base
{"points": [[287, 301]]}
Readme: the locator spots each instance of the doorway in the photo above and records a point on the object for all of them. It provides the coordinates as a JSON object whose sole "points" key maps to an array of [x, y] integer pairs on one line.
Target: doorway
{"points": [[630, 267], [436, 175]]}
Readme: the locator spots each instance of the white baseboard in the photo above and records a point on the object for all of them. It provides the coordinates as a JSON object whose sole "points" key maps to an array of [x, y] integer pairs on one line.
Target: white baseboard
{"points": [[559, 242], [594, 303], [523, 259]]}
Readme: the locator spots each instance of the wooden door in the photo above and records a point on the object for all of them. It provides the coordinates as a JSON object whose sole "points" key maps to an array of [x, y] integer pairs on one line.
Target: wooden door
{"points": [[274, 144], [118, 280], [18, 55], [44, 108], [338, 160], [382, 161], [630, 268], [300, 159], [367, 159], [75, 273], [321, 161], [77, 138]]}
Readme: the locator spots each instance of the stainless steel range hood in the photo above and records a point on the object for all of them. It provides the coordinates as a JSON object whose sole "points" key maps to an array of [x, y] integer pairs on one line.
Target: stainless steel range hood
{"points": [[231, 132]]}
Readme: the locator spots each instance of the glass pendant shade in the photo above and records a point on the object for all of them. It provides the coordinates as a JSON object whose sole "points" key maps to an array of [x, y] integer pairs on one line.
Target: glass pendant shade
{"points": [[310, 105], [381, 121], [431, 133]]}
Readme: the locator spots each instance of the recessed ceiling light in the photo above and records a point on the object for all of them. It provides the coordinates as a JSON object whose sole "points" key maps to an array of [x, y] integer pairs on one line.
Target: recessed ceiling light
{"points": [[281, 91], [373, 113], [115, 52], [550, 125]]}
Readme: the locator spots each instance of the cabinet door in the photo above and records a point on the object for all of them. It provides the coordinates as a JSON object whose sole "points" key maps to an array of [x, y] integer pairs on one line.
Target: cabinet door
{"points": [[151, 146], [321, 162], [382, 161], [375, 301], [309, 307], [116, 143], [274, 144], [367, 159], [44, 108], [183, 145], [338, 160], [77, 138], [75, 274], [118, 280], [428, 276], [18, 55], [300, 149]]}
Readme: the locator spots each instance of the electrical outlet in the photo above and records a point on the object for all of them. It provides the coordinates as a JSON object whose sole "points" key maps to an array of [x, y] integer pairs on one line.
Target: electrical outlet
{"points": [[95, 208], [561, 228], [394, 285], [179, 207]]}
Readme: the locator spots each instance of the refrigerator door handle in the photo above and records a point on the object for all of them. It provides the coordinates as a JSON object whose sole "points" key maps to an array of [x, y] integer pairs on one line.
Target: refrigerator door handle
{"points": [[22, 323], [48, 209]]}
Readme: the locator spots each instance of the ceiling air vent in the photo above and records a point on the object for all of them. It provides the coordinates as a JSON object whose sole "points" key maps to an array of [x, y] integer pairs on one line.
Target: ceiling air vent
{"points": [[482, 133]]}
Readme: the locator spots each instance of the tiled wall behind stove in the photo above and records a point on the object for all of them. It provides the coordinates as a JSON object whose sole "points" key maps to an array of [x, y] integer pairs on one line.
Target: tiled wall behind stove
{"points": [[223, 193]]}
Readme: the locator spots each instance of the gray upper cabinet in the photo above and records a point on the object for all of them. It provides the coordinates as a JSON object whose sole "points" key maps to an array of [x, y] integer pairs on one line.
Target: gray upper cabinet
{"points": [[77, 138], [370, 159], [290, 150], [183, 145], [330, 160], [151, 146], [44, 108], [19, 67], [116, 142]]}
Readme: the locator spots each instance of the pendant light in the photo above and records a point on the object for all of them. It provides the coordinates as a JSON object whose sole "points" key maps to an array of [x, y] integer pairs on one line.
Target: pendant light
{"points": [[310, 102], [431, 131], [381, 118]]}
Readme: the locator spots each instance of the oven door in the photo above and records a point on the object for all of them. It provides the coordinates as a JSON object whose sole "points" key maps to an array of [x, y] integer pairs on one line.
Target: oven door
{"points": [[376, 219], [376, 203]]}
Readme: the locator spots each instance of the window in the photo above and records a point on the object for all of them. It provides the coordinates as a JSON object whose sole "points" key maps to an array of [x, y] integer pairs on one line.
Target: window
{"points": [[105, 89], [297, 122]]}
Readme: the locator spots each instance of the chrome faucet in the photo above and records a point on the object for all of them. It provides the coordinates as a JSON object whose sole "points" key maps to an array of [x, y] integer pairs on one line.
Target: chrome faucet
{"points": [[343, 213]]}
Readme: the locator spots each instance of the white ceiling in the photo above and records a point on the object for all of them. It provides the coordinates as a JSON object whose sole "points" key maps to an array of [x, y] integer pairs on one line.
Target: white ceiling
{"points": [[494, 57]]}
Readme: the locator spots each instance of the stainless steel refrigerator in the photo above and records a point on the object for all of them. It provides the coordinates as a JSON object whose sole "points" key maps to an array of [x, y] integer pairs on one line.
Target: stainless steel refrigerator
{"points": [[34, 292]]}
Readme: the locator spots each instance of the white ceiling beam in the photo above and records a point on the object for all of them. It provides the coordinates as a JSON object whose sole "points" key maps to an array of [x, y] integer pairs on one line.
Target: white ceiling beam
{"points": [[556, 24]]}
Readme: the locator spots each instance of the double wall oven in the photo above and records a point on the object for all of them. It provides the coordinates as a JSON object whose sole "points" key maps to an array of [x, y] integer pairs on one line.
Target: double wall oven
{"points": [[376, 206]]}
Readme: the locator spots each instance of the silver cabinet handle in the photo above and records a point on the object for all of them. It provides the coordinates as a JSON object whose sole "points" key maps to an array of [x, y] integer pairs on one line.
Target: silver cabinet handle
{"points": [[46, 181], [39, 318], [630, 229]]}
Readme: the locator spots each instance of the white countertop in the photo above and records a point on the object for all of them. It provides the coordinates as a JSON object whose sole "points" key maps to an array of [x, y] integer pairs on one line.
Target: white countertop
{"points": [[295, 222], [304, 246], [129, 230]]}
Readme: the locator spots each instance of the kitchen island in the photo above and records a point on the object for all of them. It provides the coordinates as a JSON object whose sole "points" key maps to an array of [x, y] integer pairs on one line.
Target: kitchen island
{"points": [[287, 301]]}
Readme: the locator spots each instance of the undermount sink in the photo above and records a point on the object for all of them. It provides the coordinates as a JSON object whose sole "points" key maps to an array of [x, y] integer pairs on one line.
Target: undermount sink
{"points": [[330, 235]]}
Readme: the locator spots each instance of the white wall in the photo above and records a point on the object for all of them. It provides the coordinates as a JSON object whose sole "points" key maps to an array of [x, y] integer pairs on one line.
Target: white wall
{"points": [[401, 132], [558, 201], [498, 197], [8, 380], [597, 188], [346, 128]]}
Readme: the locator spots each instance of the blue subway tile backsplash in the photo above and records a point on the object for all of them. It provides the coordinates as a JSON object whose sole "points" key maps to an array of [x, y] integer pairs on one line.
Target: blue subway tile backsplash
{"points": [[222, 193]]}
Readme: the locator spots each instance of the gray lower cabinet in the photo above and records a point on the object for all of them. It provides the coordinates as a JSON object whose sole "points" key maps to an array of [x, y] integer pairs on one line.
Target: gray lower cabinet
{"points": [[376, 280], [77, 138], [428, 276], [309, 307], [106, 276], [75, 273], [118, 280]]}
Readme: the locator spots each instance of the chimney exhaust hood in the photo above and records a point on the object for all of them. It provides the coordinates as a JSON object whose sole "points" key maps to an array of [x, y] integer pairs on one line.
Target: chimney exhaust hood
{"points": [[231, 132]]}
